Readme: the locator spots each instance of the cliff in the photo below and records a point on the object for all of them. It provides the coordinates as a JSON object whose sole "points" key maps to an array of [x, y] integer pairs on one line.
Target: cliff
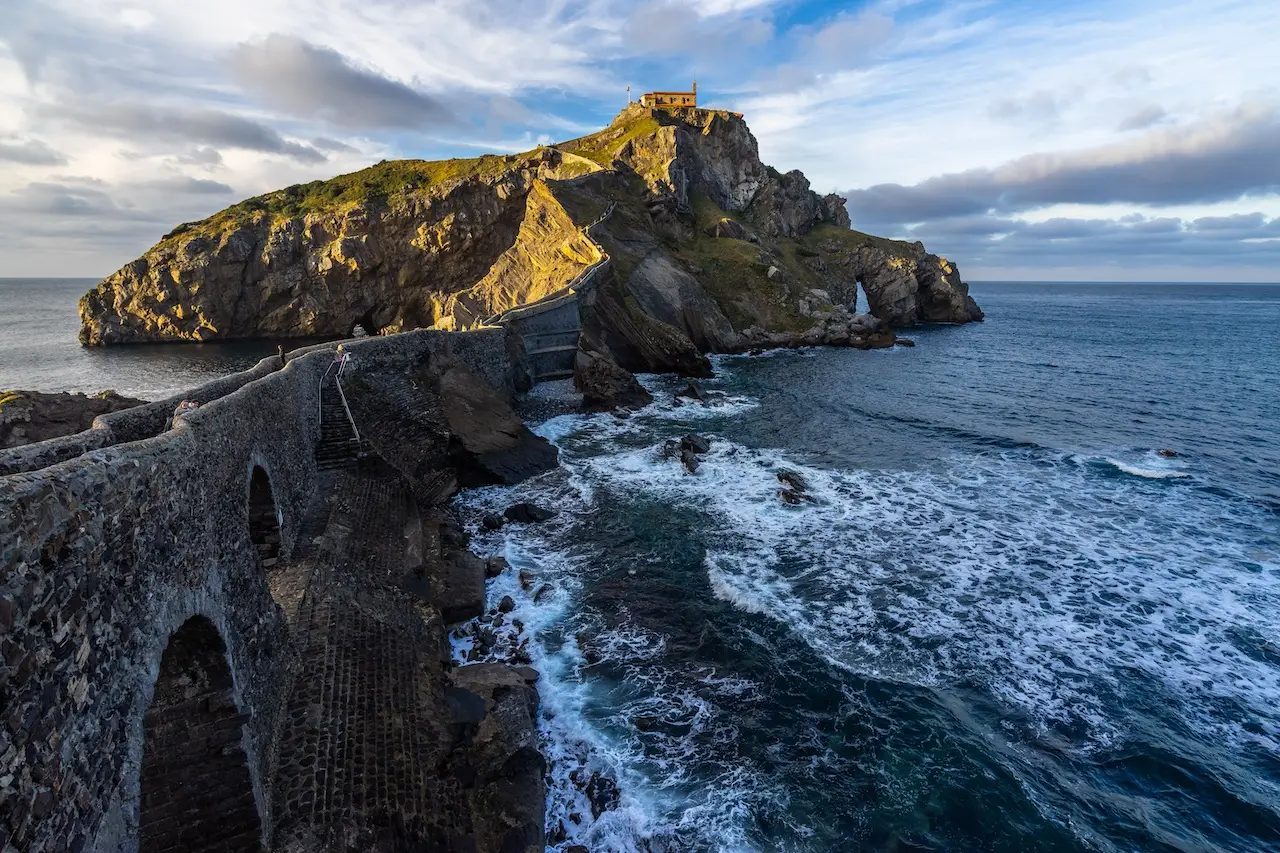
{"points": [[709, 249]]}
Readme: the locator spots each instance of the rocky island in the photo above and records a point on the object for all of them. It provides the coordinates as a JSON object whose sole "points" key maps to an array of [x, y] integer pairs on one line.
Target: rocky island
{"points": [[693, 245]]}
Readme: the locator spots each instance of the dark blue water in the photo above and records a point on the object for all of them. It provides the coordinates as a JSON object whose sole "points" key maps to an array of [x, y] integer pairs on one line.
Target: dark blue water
{"points": [[40, 351], [1006, 624]]}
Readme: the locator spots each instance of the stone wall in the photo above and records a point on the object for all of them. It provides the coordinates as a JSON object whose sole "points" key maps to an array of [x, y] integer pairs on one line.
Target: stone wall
{"points": [[103, 557]]}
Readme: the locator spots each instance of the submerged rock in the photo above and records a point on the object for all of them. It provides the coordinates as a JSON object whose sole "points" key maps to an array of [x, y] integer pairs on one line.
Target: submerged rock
{"points": [[690, 461]]}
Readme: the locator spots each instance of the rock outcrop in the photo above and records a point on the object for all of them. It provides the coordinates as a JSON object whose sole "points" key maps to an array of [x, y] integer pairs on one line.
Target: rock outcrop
{"points": [[695, 246], [605, 385], [30, 416]]}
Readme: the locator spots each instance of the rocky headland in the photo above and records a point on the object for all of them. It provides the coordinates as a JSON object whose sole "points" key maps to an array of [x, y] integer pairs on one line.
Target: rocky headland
{"points": [[707, 250], [30, 416]]}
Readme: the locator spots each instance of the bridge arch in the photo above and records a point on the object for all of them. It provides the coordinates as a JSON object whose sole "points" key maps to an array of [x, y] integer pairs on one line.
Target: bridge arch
{"points": [[264, 518], [196, 786]]}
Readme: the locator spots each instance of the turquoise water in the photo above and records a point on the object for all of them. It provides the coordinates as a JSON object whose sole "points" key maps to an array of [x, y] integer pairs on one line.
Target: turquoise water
{"points": [[1007, 623]]}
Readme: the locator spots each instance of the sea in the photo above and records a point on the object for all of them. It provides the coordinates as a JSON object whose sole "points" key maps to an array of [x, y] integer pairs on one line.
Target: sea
{"points": [[40, 351], [1033, 604]]}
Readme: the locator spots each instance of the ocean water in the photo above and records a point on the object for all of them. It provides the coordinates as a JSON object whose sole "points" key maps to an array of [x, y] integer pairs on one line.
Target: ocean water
{"points": [[40, 351], [1006, 622]]}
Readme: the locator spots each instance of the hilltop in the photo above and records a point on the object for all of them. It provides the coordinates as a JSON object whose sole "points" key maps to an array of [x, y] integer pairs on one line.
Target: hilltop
{"points": [[709, 248]]}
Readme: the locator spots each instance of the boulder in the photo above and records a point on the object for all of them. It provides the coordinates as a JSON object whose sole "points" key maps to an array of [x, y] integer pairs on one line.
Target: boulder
{"points": [[689, 460], [793, 480], [695, 443], [527, 513], [603, 794], [501, 752], [492, 521], [691, 391], [507, 604], [605, 385], [495, 566]]}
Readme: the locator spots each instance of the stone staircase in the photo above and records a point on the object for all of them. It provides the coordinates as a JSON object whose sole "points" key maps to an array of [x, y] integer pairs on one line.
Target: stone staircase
{"points": [[338, 447]]}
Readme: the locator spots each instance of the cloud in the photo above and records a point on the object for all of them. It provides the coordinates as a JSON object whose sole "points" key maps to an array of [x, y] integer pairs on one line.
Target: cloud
{"points": [[1038, 106], [664, 27], [1224, 158], [324, 143], [188, 186], [302, 79], [200, 126], [1134, 244], [31, 153], [1142, 118]]}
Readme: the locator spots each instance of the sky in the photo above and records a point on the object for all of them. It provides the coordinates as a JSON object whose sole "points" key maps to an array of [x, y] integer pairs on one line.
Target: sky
{"points": [[1123, 140]]}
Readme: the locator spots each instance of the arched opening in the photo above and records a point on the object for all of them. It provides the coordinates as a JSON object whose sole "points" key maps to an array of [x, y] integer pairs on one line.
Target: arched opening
{"points": [[264, 524], [197, 794]]}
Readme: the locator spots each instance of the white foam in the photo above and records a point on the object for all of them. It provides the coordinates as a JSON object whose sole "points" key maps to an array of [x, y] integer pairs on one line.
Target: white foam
{"points": [[1040, 578], [1149, 473]]}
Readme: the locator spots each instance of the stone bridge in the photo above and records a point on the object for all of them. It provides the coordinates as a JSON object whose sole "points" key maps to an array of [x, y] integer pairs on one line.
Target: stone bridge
{"points": [[229, 633]]}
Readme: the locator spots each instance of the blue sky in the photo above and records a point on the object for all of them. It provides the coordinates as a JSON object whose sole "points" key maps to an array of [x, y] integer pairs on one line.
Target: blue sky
{"points": [[1125, 140]]}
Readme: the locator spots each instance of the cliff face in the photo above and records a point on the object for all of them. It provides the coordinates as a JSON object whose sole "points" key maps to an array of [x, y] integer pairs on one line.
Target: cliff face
{"points": [[710, 250], [393, 247]]}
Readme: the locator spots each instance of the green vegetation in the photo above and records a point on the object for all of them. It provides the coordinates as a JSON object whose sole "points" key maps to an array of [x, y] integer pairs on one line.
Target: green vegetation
{"points": [[602, 147], [387, 180], [850, 239]]}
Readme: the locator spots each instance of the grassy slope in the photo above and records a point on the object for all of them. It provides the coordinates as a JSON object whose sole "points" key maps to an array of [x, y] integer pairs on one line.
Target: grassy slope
{"points": [[386, 181]]}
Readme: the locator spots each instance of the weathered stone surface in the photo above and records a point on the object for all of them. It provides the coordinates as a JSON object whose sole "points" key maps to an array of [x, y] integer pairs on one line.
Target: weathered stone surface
{"points": [[605, 385], [502, 752], [330, 670], [31, 416]]}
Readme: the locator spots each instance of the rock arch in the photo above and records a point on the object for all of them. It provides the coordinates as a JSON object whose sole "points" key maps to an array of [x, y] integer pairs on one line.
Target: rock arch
{"points": [[196, 788], [264, 519]]}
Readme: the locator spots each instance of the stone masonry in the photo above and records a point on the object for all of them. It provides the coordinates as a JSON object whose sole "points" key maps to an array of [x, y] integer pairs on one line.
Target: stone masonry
{"points": [[210, 641]]}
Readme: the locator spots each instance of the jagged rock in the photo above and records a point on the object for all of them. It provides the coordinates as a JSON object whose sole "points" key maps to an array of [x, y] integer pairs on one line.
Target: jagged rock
{"points": [[493, 444], [605, 385], [501, 750], [793, 480], [671, 449], [603, 794], [689, 460], [30, 416], [527, 513], [526, 580], [731, 229], [691, 391], [695, 443], [507, 604], [492, 521], [460, 241], [495, 566]]}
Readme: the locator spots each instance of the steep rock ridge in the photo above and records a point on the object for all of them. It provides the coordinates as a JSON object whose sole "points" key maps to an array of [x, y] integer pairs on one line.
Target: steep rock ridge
{"points": [[389, 248], [549, 251], [709, 250]]}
